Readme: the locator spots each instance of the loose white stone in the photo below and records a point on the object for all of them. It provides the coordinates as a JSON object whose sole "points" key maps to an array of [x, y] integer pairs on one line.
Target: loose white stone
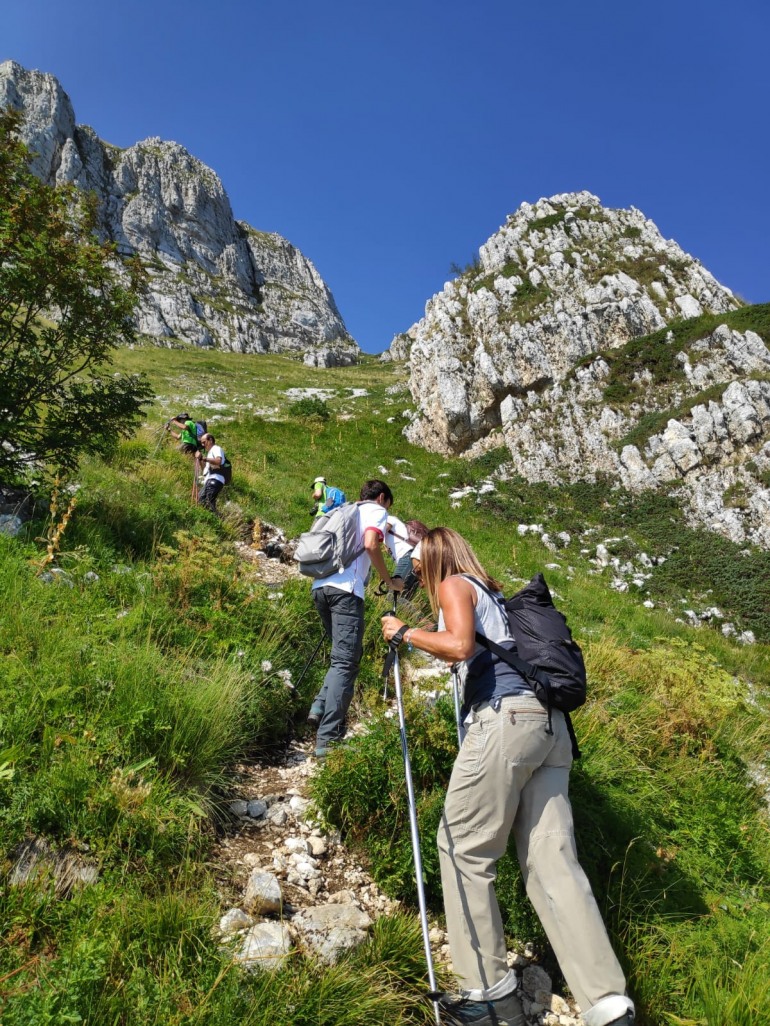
{"points": [[233, 921], [265, 946], [328, 929], [263, 894]]}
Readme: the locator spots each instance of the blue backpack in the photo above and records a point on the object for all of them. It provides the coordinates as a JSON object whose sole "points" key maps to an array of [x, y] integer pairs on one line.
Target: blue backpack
{"points": [[334, 497]]}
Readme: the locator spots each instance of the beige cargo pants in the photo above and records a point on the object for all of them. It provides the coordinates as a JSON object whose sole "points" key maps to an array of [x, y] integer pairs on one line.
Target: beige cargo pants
{"points": [[511, 775]]}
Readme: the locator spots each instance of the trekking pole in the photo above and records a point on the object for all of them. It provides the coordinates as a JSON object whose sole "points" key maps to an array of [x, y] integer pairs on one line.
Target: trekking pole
{"points": [[434, 993], [160, 440], [383, 590], [299, 679], [194, 495], [458, 715]]}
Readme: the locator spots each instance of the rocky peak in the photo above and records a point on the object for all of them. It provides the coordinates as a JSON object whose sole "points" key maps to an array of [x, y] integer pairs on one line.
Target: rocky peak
{"points": [[581, 340], [563, 278], [213, 281]]}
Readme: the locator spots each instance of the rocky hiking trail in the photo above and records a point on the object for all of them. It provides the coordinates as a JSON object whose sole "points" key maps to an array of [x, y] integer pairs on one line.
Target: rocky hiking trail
{"points": [[287, 882]]}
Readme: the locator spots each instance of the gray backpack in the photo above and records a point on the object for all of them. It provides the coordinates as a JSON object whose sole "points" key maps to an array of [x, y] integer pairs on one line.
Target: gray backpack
{"points": [[331, 544]]}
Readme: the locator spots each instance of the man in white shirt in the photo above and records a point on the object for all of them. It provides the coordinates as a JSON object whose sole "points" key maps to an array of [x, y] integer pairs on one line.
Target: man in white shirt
{"points": [[211, 459], [339, 600]]}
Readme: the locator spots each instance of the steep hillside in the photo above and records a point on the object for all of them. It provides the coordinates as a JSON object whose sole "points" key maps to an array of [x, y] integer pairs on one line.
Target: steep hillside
{"points": [[146, 664], [213, 281], [594, 349]]}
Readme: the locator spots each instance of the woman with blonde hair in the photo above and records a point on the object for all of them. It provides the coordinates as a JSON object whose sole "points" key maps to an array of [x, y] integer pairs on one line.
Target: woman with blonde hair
{"points": [[510, 774]]}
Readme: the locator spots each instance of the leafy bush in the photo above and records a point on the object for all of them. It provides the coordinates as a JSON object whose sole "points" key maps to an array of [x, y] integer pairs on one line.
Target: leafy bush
{"points": [[363, 793], [472, 267], [310, 408]]}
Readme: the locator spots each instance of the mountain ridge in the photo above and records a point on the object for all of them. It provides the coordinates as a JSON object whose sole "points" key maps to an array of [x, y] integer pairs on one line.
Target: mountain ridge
{"points": [[213, 281]]}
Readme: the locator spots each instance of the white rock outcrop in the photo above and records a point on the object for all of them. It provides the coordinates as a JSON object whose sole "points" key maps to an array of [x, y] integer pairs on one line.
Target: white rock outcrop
{"points": [[564, 278], [213, 281], [264, 947], [519, 351], [329, 929]]}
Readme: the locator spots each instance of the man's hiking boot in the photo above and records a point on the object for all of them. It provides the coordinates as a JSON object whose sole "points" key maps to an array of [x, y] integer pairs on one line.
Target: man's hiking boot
{"points": [[505, 1011], [315, 715], [613, 1010]]}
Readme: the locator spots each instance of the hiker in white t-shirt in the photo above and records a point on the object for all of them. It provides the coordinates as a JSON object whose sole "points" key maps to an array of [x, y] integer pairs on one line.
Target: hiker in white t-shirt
{"points": [[339, 600], [210, 460]]}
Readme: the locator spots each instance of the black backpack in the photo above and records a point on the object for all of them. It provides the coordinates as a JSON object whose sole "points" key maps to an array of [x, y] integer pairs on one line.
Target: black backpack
{"points": [[546, 655], [225, 469]]}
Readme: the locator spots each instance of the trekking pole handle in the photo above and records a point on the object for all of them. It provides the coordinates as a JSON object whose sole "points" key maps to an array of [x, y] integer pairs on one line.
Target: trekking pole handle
{"points": [[398, 637]]}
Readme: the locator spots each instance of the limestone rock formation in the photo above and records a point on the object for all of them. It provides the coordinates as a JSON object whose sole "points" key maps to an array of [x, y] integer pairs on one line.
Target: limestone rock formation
{"points": [[522, 350], [714, 451], [563, 278], [213, 281]]}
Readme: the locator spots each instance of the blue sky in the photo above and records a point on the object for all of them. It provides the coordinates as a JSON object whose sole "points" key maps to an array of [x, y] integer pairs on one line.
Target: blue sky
{"points": [[390, 141]]}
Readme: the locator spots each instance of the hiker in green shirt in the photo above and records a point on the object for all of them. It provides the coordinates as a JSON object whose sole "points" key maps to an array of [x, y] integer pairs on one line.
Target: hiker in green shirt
{"points": [[325, 498], [187, 435]]}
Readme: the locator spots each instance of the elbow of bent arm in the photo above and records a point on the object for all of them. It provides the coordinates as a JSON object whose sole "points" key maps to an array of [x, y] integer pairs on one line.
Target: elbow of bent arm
{"points": [[464, 650]]}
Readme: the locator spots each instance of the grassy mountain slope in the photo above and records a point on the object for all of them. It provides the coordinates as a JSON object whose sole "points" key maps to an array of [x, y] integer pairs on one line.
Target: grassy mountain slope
{"points": [[125, 699]]}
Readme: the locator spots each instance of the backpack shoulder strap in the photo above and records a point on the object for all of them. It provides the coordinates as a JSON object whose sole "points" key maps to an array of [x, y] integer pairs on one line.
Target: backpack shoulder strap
{"points": [[488, 591]]}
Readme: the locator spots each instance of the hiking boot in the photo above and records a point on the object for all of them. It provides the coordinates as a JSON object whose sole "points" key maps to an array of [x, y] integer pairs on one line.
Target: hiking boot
{"points": [[505, 1011], [315, 715], [613, 1010]]}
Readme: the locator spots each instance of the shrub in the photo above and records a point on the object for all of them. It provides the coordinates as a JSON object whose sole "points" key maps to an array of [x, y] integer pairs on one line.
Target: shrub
{"points": [[472, 267], [310, 408]]}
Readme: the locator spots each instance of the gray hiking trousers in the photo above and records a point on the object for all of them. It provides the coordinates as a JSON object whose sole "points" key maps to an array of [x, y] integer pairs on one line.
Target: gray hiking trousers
{"points": [[511, 775], [342, 615]]}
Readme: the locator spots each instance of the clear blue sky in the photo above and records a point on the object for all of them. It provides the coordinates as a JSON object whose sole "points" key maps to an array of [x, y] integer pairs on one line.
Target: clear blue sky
{"points": [[388, 141]]}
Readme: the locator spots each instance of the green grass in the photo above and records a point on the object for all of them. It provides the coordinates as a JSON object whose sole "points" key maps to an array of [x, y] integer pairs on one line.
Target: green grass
{"points": [[549, 221], [652, 353], [660, 797], [126, 700], [509, 270]]}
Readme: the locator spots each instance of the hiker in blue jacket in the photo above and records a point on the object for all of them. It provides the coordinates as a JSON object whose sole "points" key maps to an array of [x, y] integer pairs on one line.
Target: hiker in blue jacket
{"points": [[510, 775]]}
